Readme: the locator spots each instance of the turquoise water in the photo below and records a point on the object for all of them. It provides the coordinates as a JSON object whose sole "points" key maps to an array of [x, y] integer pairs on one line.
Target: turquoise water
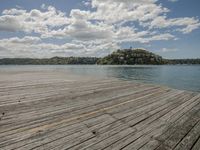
{"points": [[185, 77]]}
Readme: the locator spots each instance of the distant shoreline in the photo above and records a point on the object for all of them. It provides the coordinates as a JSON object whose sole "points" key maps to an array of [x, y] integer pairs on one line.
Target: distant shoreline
{"points": [[99, 65], [119, 57], [86, 61]]}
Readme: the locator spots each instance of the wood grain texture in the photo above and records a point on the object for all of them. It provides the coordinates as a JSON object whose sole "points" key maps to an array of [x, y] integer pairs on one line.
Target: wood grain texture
{"points": [[46, 110]]}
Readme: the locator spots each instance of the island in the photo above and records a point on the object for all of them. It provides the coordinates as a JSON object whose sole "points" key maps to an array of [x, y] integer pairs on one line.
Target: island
{"points": [[131, 57]]}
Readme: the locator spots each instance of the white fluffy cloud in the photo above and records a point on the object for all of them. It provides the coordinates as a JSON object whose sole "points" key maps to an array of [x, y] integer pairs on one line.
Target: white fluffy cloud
{"points": [[96, 31], [166, 50], [32, 21], [173, 0], [186, 24], [34, 47], [113, 11], [24, 40]]}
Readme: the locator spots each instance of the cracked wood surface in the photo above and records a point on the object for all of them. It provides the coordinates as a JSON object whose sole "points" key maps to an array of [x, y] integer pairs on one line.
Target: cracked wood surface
{"points": [[44, 110]]}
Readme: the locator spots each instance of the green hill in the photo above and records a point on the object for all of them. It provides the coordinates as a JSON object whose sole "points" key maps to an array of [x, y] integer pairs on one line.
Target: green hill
{"points": [[131, 57]]}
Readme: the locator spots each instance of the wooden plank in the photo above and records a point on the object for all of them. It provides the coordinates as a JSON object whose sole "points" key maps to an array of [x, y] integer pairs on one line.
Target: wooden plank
{"points": [[105, 109], [147, 136], [127, 109], [150, 107], [144, 128], [67, 90], [82, 110], [188, 141], [95, 142], [66, 131], [55, 124], [58, 103], [156, 141], [196, 144], [69, 113], [101, 134], [141, 142], [182, 129], [92, 139]]}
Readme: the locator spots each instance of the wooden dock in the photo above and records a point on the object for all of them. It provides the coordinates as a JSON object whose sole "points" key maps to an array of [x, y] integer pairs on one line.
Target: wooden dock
{"points": [[51, 110]]}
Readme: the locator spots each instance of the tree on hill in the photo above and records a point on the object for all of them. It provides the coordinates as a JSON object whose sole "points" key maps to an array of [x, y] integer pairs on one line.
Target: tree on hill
{"points": [[131, 57]]}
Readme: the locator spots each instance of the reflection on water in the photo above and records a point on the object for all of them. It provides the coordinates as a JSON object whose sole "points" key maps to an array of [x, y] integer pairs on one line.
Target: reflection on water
{"points": [[179, 76]]}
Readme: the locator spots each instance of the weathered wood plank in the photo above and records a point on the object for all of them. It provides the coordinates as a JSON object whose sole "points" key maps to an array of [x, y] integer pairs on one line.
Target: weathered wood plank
{"points": [[139, 143], [80, 111], [188, 141], [52, 110], [90, 113], [123, 122], [160, 120], [159, 140], [196, 144]]}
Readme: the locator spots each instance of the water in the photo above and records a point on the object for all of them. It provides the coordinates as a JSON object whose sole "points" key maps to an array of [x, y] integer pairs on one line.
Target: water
{"points": [[186, 77]]}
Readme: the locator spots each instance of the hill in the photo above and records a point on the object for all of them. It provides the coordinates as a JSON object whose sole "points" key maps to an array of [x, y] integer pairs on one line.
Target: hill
{"points": [[131, 57]]}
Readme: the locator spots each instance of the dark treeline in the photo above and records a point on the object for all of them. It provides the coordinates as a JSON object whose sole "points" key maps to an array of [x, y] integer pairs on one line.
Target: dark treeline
{"points": [[183, 61], [119, 57], [49, 61]]}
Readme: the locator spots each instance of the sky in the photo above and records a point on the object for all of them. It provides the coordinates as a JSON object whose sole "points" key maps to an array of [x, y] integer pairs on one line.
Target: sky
{"points": [[48, 28]]}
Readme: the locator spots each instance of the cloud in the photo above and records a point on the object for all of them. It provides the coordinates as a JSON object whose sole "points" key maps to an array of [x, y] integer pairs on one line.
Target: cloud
{"points": [[35, 47], [24, 40], [9, 23], [165, 50], [173, 0], [189, 28], [102, 28], [51, 22], [185, 25], [33, 21], [130, 10], [5, 52]]}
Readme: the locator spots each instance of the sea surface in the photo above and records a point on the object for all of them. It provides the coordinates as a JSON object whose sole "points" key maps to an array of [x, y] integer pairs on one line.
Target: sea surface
{"points": [[184, 77]]}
